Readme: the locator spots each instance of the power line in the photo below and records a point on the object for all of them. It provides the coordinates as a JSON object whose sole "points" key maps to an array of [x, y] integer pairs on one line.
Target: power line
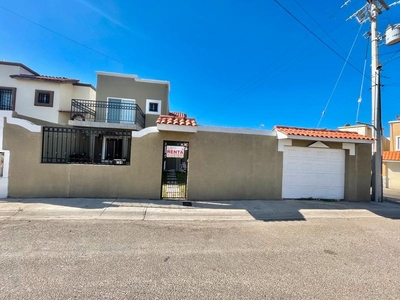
{"points": [[65, 37], [391, 58], [362, 82], [316, 36], [340, 76], [315, 21], [249, 85]]}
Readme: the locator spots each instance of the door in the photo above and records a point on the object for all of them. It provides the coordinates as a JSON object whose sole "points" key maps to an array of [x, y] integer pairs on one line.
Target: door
{"points": [[113, 149], [313, 173], [174, 170], [121, 110]]}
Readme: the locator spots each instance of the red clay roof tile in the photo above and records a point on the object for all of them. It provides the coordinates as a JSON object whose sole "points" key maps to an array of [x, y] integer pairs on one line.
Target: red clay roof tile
{"points": [[175, 118], [391, 155], [46, 78], [321, 133]]}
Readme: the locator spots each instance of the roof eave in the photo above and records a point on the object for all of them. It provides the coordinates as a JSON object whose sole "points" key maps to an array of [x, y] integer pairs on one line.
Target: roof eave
{"points": [[281, 135], [16, 64], [44, 79]]}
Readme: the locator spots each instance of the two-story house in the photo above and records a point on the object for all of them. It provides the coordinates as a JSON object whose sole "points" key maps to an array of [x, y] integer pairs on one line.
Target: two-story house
{"points": [[83, 125], [102, 128], [39, 98]]}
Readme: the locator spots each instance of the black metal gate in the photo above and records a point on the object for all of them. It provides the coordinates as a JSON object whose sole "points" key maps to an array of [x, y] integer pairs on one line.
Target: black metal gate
{"points": [[175, 170]]}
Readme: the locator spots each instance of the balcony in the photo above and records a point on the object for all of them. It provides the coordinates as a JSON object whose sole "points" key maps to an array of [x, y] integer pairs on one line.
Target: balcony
{"points": [[113, 113]]}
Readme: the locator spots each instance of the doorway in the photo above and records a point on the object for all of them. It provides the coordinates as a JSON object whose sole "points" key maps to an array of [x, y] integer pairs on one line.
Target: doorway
{"points": [[175, 170]]}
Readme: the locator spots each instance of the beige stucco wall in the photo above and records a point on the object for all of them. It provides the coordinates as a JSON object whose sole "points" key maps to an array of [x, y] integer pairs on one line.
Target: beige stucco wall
{"points": [[358, 174], [385, 144], [28, 177], [83, 92], [394, 132], [231, 166], [393, 175], [360, 129], [129, 88], [221, 166]]}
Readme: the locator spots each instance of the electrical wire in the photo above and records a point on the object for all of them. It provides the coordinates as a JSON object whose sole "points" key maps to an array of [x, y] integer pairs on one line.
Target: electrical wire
{"points": [[65, 37], [315, 21], [249, 82], [362, 82], [316, 36], [249, 85], [340, 76], [391, 57]]}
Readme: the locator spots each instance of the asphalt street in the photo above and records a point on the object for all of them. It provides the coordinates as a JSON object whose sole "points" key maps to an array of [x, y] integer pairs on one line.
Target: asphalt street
{"points": [[355, 258]]}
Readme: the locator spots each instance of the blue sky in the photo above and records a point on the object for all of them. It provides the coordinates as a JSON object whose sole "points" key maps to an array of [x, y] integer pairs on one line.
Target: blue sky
{"points": [[230, 62]]}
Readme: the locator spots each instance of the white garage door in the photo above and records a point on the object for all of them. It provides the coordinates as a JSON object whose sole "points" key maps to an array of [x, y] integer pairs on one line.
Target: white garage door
{"points": [[313, 172]]}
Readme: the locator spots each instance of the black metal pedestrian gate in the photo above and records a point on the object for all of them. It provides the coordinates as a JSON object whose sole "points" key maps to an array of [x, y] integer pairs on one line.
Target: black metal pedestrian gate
{"points": [[174, 170]]}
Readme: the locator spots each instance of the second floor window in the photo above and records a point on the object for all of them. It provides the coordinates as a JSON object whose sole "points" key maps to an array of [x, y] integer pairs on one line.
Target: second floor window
{"points": [[44, 98], [153, 107]]}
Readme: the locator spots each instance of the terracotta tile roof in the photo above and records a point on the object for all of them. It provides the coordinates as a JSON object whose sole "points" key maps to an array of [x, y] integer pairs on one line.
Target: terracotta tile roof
{"points": [[391, 155], [321, 133], [176, 118], [46, 78]]}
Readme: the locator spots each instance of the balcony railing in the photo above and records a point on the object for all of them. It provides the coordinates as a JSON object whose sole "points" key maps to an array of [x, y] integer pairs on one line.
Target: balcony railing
{"points": [[112, 111]]}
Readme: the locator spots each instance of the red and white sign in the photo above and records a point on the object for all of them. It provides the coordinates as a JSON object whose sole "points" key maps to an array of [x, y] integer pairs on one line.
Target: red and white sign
{"points": [[175, 151]]}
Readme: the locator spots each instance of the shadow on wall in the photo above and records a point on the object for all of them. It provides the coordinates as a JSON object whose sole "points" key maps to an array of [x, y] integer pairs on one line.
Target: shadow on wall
{"points": [[264, 210]]}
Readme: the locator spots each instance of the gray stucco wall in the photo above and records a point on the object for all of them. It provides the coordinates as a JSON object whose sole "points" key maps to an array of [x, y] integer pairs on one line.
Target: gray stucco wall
{"points": [[221, 166], [129, 88]]}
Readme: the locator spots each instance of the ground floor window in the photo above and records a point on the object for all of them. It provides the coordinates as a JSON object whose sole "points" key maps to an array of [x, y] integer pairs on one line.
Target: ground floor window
{"points": [[85, 146]]}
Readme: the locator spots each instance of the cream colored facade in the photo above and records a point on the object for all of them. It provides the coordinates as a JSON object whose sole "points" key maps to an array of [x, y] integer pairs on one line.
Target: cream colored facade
{"points": [[394, 135], [25, 94], [391, 169]]}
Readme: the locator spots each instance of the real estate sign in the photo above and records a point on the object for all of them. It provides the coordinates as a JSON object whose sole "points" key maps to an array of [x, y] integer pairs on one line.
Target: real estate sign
{"points": [[175, 151]]}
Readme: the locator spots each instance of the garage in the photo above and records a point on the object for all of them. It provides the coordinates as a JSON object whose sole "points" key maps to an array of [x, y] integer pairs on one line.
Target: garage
{"points": [[317, 173]]}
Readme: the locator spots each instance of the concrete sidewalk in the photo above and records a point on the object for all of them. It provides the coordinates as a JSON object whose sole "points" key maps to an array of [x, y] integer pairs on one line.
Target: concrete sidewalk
{"points": [[148, 210]]}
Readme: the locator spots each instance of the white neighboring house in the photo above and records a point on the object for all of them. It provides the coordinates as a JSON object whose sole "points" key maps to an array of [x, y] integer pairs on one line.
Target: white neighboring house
{"points": [[39, 97]]}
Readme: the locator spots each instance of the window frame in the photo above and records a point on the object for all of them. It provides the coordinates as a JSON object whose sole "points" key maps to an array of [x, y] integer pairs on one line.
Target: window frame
{"points": [[397, 143], [13, 95], [155, 101], [51, 102]]}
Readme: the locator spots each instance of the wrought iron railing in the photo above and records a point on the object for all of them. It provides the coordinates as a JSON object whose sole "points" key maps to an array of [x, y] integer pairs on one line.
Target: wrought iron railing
{"points": [[111, 111], [63, 145]]}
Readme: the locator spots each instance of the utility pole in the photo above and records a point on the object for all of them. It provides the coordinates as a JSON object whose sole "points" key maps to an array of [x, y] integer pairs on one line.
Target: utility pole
{"points": [[370, 11]]}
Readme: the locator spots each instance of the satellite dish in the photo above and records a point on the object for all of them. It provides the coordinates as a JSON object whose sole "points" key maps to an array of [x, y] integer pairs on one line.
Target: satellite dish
{"points": [[397, 117]]}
